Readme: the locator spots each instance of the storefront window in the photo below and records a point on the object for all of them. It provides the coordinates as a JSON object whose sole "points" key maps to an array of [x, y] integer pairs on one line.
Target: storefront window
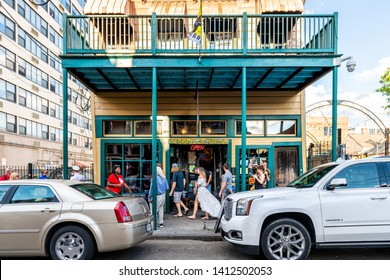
{"points": [[145, 128], [252, 128], [285, 127], [184, 128], [135, 160], [213, 128], [117, 127]]}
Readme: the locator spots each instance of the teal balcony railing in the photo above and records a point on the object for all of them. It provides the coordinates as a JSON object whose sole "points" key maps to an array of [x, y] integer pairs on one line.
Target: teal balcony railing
{"points": [[240, 34]]}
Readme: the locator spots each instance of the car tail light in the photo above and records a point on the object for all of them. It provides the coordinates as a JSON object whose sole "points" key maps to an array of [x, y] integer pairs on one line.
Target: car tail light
{"points": [[122, 213]]}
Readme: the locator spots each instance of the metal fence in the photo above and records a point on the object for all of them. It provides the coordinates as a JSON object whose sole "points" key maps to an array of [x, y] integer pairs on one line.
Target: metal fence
{"points": [[318, 154], [32, 171], [243, 34]]}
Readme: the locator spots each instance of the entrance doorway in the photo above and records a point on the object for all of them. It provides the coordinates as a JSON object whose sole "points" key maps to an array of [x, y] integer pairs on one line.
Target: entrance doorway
{"points": [[209, 156], [286, 165]]}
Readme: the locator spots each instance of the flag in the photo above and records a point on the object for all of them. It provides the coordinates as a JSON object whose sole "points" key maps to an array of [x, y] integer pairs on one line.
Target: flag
{"points": [[196, 33]]}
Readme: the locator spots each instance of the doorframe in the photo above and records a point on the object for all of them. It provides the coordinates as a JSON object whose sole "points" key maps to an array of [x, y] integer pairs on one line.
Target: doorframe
{"points": [[271, 161]]}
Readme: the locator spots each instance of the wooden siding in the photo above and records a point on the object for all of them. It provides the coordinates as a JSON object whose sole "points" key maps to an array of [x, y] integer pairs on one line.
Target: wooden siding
{"points": [[210, 103]]}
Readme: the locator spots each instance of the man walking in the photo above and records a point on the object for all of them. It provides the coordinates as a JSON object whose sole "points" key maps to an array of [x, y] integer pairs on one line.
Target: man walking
{"points": [[227, 182]]}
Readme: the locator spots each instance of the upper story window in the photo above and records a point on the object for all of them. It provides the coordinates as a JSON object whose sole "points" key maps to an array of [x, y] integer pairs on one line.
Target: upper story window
{"points": [[145, 127], [32, 45], [282, 127], [210, 128], [7, 58], [32, 17], [120, 127], [7, 91], [7, 27], [11, 3], [7, 122], [255, 128], [184, 128]]}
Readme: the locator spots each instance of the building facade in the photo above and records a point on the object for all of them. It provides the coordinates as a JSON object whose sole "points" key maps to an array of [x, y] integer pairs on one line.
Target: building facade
{"points": [[159, 96], [31, 87]]}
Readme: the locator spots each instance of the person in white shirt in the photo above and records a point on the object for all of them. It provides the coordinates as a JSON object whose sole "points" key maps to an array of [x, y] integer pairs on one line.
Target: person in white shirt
{"points": [[76, 174]]}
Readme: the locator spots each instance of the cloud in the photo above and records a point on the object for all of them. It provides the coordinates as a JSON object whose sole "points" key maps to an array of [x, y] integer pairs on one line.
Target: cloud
{"points": [[373, 74]]}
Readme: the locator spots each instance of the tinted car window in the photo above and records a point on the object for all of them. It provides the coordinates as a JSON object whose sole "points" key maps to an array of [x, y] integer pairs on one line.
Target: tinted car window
{"points": [[308, 179], [364, 175], [3, 191], [33, 194], [94, 191]]}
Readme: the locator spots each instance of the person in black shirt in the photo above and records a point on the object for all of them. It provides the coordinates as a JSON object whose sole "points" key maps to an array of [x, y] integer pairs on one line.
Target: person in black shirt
{"points": [[178, 183]]}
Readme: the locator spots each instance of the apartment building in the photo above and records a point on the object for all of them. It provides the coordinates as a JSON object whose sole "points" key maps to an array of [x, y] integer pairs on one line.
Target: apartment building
{"points": [[31, 87]]}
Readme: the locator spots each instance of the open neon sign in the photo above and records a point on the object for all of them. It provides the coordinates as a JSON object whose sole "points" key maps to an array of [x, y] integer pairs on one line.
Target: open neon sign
{"points": [[197, 148]]}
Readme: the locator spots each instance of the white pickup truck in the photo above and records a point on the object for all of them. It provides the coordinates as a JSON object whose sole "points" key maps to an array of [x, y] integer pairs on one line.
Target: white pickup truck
{"points": [[339, 204]]}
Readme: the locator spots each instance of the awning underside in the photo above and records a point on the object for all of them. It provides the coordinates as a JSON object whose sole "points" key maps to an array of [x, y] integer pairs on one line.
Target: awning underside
{"points": [[259, 78]]}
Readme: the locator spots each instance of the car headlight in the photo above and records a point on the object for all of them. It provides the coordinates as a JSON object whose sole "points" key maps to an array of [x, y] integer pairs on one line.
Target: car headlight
{"points": [[244, 205]]}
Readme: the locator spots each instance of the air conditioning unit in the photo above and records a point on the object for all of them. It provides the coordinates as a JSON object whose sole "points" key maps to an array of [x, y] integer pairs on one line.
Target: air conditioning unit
{"points": [[34, 32], [35, 60], [1, 37], [82, 131], [82, 91], [35, 88], [1, 71], [62, 8], [2, 137], [1, 104], [61, 30], [37, 144], [35, 116]]}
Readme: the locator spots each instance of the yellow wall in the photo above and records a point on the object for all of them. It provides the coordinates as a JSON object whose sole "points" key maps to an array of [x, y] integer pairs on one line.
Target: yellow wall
{"points": [[184, 104]]}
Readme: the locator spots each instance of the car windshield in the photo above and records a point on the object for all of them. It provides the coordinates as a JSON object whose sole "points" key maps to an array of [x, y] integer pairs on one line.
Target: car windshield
{"points": [[94, 191], [308, 179]]}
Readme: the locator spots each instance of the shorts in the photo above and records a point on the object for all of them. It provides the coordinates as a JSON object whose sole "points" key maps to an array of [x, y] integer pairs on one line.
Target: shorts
{"points": [[177, 197]]}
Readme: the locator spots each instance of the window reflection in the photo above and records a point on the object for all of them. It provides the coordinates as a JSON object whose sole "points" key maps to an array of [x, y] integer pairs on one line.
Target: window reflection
{"points": [[213, 128]]}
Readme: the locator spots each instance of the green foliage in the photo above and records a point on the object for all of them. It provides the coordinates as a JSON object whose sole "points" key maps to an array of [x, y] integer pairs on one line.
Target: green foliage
{"points": [[385, 88]]}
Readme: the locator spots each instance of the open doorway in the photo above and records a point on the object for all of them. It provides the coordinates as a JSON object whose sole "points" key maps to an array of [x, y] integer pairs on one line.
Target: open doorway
{"points": [[210, 157]]}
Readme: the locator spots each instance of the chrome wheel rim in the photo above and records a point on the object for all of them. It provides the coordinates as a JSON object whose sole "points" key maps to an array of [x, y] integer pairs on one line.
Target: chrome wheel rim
{"points": [[286, 242], [69, 246]]}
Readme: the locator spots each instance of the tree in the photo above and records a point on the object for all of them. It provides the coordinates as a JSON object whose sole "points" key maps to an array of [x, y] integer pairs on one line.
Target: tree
{"points": [[385, 88]]}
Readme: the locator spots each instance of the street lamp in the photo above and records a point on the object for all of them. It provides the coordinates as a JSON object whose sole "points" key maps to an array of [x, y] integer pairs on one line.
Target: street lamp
{"points": [[351, 65]]}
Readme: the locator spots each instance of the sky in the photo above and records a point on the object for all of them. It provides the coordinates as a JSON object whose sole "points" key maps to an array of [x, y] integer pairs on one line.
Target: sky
{"points": [[364, 33]]}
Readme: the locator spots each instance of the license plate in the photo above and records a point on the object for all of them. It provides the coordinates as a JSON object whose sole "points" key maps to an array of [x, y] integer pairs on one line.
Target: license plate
{"points": [[148, 227]]}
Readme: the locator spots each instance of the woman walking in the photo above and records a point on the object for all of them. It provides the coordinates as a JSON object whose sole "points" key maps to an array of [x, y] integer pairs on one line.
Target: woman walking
{"points": [[204, 198]]}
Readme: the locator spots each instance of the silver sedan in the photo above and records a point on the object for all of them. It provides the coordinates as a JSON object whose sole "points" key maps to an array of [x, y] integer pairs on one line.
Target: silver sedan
{"points": [[68, 219]]}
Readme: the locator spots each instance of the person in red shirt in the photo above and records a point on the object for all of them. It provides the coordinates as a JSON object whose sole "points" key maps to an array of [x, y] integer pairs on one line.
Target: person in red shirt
{"points": [[116, 182], [5, 177]]}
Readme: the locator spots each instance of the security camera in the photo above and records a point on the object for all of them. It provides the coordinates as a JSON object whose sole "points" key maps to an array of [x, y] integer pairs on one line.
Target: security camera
{"points": [[351, 65]]}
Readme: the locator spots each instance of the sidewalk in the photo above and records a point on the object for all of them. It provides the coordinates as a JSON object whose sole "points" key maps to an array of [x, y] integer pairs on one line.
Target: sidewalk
{"points": [[184, 228]]}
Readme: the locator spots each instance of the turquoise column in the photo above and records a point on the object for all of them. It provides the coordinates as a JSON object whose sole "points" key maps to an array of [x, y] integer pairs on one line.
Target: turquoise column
{"points": [[334, 114], [65, 123], [154, 144], [243, 131], [334, 93]]}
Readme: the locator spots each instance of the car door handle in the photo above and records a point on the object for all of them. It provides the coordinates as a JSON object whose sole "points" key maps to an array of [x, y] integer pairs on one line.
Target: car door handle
{"points": [[378, 197], [48, 210]]}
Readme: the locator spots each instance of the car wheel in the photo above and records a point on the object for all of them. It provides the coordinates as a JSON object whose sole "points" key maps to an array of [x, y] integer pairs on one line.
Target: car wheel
{"points": [[285, 239], [72, 243]]}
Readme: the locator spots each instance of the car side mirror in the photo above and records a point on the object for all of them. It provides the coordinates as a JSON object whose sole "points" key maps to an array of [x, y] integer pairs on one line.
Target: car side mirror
{"points": [[337, 182]]}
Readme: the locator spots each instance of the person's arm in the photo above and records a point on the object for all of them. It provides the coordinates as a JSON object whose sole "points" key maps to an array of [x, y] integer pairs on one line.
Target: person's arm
{"points": [[223, 186], [127, 187], [172, 188], [209, 179]]}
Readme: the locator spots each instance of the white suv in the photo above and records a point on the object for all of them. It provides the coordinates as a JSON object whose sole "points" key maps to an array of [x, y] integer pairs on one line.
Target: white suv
{"points": [[339, 204]]}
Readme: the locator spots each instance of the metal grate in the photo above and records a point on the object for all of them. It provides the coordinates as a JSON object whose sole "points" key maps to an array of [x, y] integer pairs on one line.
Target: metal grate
{"points": [[228, 208]]}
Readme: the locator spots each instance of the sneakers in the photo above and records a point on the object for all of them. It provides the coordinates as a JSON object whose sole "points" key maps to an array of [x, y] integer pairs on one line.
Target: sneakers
{"points": [[161, 225]]}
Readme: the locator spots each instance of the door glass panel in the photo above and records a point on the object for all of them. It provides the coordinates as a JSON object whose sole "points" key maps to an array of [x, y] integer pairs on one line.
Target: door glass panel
{"points": [[286, 165]]}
